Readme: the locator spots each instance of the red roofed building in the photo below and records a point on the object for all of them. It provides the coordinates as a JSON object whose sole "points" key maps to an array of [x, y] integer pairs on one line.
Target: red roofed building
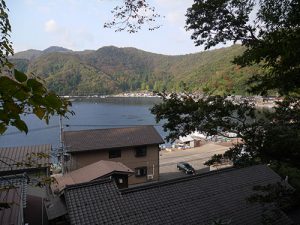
{"points": [[94, 171]]}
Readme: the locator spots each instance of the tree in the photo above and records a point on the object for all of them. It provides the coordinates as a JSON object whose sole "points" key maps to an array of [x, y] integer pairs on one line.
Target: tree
{"points": [[22, 94], [270, 38]]}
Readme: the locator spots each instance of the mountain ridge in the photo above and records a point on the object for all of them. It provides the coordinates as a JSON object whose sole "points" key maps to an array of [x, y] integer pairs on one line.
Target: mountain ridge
{"points": [[111, 69]]}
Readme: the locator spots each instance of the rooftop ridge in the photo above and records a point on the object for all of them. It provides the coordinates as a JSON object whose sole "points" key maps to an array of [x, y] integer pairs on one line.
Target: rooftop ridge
{"points": [[96, 149], [113, 128], [100, 139], [27, 146], [89, 183], [183, 179]]}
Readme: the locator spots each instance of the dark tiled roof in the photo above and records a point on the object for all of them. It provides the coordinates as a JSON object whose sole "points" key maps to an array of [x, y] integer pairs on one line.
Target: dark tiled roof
{"points": [[84, 140], [11, 156], [198, 199]]}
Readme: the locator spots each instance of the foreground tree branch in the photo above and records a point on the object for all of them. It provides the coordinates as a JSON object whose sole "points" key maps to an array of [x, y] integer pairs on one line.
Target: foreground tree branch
{"points": [[133, 15]]}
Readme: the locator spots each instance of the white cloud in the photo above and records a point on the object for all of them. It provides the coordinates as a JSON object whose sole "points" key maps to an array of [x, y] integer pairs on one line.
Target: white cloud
{"points": [[174, 4], [51, 26], [176, 17], [74, 39]]}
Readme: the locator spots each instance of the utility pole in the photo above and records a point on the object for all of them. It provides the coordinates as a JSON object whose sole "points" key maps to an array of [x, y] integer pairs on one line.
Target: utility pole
{"points": [[61, 147]]}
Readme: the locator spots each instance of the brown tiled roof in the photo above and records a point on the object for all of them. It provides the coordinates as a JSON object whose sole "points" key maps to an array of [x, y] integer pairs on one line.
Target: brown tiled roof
{"points": [[13, 191], [84, 140], [10, 215], [89, 173], [198, 199], [11, 157]]}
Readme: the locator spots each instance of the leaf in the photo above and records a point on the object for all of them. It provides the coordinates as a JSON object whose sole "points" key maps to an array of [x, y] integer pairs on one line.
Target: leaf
{"points": [[37, 100], [21, 94], [21, 77], [3, 128], [3, 115], [36, 86], [7, 84], [39, 112], [21, 125], [53, 100]]}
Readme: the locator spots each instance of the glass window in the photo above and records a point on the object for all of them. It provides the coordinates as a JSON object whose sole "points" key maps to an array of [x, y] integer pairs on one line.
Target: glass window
{"points": [[140, 151], [141, 171], [116, 153]]}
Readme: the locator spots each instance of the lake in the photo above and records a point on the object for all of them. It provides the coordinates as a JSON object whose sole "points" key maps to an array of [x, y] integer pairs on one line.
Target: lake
{"points": [[91, 113]]}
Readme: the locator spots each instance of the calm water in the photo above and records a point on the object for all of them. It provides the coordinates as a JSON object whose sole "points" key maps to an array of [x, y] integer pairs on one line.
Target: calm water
{"points": [[89, 114]]}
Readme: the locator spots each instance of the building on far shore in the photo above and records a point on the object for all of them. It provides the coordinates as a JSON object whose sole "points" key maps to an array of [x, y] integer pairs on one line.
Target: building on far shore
{"points": [[136, 147]]}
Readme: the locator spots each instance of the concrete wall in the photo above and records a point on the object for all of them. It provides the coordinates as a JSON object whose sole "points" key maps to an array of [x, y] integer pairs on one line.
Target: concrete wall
{"points": [[128, 158]]}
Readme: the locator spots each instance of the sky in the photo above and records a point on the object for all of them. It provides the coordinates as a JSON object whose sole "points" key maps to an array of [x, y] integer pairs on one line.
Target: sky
{"points": [[78, 25]]}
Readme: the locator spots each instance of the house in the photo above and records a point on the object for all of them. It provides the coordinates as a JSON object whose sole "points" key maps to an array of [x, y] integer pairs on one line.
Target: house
{"points": [[34, 160], [199, 199], [13, 199], [136, 147], [55, 205], [98, 170]]}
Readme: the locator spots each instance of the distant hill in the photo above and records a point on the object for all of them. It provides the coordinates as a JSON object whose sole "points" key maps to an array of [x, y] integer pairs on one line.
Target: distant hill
{"points": [[112, 70], [56, 49], [32, 53], [28, 54]]}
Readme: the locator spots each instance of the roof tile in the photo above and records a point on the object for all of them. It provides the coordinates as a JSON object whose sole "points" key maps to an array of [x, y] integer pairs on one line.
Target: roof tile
{"points": [[198, 199], [11, 156], [90, 172], [84, 140]]}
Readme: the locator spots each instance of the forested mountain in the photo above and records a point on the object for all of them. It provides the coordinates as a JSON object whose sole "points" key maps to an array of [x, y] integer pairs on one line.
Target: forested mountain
{"points": [[113, 70]]}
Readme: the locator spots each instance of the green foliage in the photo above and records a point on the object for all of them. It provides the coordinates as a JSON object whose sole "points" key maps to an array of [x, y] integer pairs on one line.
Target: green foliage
{"points": [[112, 70], [5, 28], [212, 115], [21, 95], [215, 22], [270, 38]]}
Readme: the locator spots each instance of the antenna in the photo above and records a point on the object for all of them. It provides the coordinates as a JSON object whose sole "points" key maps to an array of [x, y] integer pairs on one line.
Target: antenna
{"points": [[61, 147]]}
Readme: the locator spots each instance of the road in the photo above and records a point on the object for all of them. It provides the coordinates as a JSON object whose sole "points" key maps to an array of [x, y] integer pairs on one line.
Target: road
{"points": [[195, 156]]}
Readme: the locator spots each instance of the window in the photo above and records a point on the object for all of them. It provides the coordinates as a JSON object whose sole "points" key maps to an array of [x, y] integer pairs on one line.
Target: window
{"points": [[141, 151], [116, 153], [141, 171]]}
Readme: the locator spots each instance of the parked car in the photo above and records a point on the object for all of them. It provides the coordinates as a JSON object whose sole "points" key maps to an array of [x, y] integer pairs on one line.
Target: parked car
{"points": [[186, 167]]}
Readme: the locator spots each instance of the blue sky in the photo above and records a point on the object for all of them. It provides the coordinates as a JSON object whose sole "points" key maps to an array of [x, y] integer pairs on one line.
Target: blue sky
{"points": [[78, 25]]}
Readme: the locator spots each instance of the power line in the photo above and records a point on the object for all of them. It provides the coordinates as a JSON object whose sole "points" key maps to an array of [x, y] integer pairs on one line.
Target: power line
{"points": [[32, 130], [109, 125], [81, 125]]}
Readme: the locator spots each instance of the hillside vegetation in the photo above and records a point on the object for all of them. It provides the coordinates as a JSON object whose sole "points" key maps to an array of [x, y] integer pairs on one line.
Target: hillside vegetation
{"points": [[112, 70]]}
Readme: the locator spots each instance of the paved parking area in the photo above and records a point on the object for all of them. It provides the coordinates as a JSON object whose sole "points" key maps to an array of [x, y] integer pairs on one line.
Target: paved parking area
{"points": [[195, 156]]}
